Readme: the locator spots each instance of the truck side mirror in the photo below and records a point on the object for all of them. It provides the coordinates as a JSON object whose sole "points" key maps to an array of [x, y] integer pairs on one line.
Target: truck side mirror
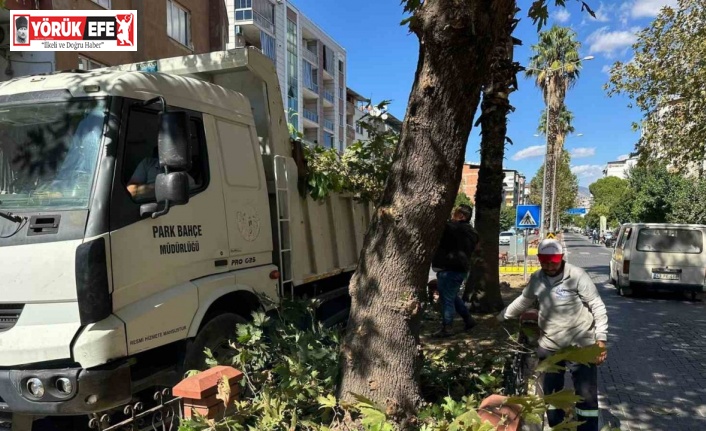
{"points": [[173, 188], [170, 189], [172, 185], [173, 140]]}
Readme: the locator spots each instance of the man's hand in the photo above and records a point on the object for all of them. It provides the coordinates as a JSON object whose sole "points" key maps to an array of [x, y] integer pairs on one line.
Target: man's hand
{"points": [[604, 354]]}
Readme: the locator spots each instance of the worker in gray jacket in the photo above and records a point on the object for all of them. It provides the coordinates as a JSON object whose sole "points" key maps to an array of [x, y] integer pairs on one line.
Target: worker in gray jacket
{"points": [[571, 313]]}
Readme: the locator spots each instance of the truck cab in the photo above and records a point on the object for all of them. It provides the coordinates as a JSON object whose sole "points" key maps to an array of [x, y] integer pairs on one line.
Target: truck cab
{"points": [[140, 214]]}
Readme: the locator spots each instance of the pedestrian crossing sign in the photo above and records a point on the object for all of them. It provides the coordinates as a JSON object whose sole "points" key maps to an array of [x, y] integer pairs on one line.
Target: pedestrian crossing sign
{"points": [[527, 217]]}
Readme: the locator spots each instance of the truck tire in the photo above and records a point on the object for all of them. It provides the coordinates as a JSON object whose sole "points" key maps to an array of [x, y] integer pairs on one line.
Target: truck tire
{"points": [[214, 335]]}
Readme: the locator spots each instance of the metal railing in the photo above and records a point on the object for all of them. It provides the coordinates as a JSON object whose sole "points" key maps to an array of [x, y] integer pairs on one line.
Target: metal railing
{"points": [[263, 22], [311, 115], [313, 86], [329, 124], [328, 95], [310, 56]]}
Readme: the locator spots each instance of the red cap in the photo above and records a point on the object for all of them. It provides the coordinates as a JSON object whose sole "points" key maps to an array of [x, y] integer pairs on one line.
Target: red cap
{"points": [[550, 251]]}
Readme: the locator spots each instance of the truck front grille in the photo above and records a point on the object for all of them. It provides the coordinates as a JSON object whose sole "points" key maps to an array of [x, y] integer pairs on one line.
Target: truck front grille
{"points": [[9, 314]]}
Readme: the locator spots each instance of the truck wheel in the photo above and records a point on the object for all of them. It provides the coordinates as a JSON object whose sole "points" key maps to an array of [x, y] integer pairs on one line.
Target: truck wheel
{"points": [[215, 336]]}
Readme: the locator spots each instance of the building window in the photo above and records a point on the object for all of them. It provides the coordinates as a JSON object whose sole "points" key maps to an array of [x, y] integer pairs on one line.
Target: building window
{"points": [[268, 46], [178, 23], [102, 3], [140, 161], [292, 73], [340, 66], [340, 120], [243, 10], [85, 63]]}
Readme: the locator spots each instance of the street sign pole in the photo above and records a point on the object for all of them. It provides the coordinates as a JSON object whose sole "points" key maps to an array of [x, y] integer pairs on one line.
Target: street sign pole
{"points": [[525, 249]]}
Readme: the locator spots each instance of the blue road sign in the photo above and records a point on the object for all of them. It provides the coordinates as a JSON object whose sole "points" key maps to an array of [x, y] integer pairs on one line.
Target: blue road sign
{"points": [[576, 211], [527, 217]]}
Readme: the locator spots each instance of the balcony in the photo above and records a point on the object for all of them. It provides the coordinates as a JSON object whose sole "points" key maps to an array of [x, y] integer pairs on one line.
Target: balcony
{"points": [[245, 17], [311, 89], [329, 97], [310, 56], [311, 118], [329, 124], [350, 132], [264, 23]]}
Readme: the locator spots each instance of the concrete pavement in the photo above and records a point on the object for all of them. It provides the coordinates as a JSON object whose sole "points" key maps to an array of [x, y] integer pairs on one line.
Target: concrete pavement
{"points": [[655, 375]]}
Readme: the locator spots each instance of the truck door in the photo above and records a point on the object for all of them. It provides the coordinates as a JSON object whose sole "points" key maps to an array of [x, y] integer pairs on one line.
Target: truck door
{"points": [[245, 195], [154, 260]]}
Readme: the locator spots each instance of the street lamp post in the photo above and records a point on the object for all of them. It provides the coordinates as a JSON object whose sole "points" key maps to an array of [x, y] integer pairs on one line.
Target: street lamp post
{"points": [[556, 158], [546, 159]]}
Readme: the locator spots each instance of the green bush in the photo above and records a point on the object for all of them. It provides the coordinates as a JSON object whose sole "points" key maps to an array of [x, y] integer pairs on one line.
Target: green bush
{"points": [[290, 367]]}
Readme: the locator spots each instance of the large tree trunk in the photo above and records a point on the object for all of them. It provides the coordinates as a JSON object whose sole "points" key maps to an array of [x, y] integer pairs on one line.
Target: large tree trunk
{"points": [[490, 193], [555, 94], [381, 355]]}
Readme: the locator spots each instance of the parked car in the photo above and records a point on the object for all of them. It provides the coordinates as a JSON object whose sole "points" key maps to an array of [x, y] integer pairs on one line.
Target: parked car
{"points": [[608, 239], [659, 256], [505, 237]]}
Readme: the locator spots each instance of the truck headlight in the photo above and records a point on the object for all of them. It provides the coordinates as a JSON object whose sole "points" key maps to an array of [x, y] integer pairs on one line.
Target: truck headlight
{"points": [[35, 387]]}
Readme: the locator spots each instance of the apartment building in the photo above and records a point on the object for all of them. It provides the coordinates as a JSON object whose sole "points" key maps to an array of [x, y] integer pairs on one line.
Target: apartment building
{"points": [[357, 107], [469, 180], [515, 187], [620, 168], [311, 65], [165, 28]]}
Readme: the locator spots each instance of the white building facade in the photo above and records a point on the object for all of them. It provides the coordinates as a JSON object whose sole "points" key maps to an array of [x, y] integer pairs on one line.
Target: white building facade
{"points": [[620, 168], [311, 65]]}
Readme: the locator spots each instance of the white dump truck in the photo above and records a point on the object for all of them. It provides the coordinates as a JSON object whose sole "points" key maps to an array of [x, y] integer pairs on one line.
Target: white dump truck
{"points": [[144, 210]]}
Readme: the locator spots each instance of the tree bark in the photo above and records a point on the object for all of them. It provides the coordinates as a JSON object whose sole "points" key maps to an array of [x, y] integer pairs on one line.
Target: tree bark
{"points": [[381, 354], [490, 192], [554, 98]]}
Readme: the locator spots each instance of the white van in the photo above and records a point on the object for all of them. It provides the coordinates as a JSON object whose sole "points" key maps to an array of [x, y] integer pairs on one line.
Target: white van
{"points": [[659, 256]]}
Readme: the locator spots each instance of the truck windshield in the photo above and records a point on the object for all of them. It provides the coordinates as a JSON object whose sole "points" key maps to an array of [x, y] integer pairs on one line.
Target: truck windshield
{"points": [[49, 153]]}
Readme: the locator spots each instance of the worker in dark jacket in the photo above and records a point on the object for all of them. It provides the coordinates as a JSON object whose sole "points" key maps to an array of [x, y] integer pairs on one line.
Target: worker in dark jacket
{"points": [[451, 263]]}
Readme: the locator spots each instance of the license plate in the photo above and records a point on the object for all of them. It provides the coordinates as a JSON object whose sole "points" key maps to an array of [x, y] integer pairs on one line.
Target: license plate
{"points": [[664, 276]]}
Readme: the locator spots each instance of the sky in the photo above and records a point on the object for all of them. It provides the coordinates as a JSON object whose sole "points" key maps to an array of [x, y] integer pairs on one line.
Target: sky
{"points": [[382, 57]]}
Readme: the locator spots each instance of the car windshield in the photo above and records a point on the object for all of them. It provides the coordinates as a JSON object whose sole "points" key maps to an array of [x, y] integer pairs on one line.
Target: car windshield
{"points": [[505, 233], [670, 240], [49, 153]]}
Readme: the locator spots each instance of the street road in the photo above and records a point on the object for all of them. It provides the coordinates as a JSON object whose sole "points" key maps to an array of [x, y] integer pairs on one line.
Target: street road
{"points": [[655, 376]]}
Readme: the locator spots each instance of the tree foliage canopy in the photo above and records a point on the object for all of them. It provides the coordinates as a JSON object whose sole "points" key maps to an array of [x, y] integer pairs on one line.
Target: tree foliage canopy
{"points": [[651, 194], [556, 54], [609, 190], [666, 80]]}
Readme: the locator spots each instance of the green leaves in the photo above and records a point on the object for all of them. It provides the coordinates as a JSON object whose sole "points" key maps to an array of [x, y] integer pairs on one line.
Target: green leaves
{"points": [[562, 399], [581, 355], [539, 12], [363, 167], [666, 80]]}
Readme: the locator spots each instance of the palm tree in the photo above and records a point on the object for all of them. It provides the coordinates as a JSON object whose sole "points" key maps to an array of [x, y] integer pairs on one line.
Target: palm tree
{"points": [[564, 127], [555, 66]]}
